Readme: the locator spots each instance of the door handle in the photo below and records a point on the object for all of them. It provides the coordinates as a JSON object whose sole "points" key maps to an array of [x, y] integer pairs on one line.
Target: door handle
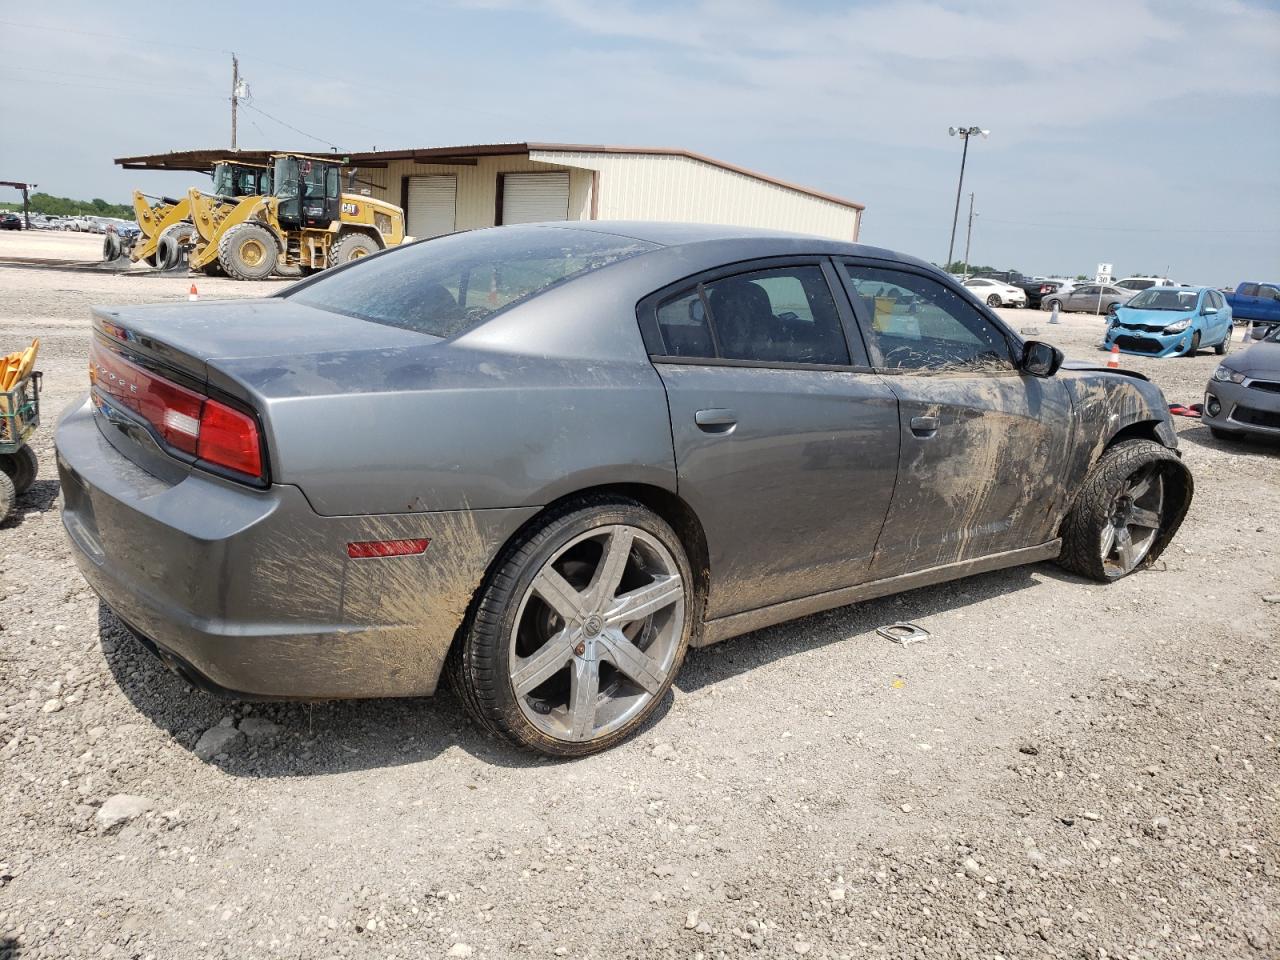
{"points": [[924, 426], [716, 420]]}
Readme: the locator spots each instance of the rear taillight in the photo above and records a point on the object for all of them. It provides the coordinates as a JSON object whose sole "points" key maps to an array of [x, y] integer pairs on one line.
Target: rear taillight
{"points": [[189, 422]]}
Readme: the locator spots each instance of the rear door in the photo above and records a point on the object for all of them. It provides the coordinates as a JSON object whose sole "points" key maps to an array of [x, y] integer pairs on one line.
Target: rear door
{"points": [[984, 448], [786, 442]]}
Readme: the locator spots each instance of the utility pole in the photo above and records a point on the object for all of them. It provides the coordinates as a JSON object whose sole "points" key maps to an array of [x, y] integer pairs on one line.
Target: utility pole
{"points": [[967, 237], [235, 96]]}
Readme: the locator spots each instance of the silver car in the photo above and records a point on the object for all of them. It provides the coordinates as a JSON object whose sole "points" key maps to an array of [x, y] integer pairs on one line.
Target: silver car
{"points": [[546, 460], [1243, 396], [1089, 298]]}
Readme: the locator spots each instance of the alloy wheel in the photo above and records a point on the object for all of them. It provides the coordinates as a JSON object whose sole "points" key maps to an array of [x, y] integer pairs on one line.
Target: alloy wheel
{"points": [[596, 633], [1134, 522]]}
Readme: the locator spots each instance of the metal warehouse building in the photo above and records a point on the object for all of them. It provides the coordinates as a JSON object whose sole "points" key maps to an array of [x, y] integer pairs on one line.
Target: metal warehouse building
{"points": [[443, 189]]}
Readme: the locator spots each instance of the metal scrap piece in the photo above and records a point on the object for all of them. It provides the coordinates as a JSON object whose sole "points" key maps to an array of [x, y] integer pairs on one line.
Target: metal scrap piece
{"points": [[903, 633]]}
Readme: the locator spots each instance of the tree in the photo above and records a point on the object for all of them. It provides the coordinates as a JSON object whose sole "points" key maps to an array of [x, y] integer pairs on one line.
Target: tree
{"points": [[52, 206]]}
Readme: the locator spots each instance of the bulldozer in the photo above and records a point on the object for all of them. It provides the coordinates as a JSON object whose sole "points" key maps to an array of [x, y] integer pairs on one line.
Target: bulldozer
{"points": [[292, 217]]}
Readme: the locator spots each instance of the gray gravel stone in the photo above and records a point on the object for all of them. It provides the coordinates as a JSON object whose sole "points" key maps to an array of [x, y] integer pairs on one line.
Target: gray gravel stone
{"points": [[120, 809], [217, 740]]}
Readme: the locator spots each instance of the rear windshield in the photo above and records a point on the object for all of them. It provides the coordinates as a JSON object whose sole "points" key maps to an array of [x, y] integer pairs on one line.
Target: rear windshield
{"points": [[452, 284]]}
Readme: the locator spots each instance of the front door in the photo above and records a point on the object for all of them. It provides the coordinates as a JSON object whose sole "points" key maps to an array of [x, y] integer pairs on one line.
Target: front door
{"points": [[786, 443], [984, 447]]}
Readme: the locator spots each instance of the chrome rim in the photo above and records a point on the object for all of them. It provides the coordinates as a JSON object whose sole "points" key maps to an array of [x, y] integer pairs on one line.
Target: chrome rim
{"points": [[1133, 523], [596, 633]]}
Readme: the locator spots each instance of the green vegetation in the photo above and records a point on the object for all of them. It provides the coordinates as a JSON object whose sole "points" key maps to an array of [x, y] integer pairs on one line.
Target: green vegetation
{"points": [[66, 207]]}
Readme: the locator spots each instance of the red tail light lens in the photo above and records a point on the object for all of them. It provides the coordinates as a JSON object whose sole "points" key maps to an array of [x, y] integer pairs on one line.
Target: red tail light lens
{"points": [[184, 419], [229, 438]]}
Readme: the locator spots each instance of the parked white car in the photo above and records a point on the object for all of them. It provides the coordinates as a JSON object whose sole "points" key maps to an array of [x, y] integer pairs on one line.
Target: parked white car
{"points": [[1143, 283], [996, 293]]}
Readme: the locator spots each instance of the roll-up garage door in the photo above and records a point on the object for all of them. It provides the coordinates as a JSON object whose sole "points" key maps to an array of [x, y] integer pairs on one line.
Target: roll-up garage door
{"points": [[534, 197], [432, 206]]}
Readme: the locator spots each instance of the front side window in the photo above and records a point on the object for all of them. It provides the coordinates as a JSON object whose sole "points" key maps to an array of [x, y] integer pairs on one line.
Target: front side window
{"points": [[783, 315], [451, 284], [917, 323]]}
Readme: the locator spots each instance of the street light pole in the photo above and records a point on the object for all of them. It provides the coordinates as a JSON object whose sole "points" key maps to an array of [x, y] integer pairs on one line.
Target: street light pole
{"points": [[964, 133], [968, 236]]}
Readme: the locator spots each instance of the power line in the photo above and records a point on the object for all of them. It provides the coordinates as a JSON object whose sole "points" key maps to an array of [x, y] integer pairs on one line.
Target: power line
{"points": [[304, 133], [136, 41], [180, 94]]}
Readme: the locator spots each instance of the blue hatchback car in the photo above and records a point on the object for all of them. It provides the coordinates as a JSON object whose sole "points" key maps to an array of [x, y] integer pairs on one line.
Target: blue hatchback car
{"points": [[1171, 322]]}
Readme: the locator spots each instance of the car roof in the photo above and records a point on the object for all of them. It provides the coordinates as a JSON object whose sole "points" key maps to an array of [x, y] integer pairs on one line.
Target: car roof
{"points": [[749, 241]]}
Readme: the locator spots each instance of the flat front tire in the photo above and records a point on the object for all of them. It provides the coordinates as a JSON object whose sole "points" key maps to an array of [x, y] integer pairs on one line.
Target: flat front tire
{"points": [[1130, 506], [578, 632]]}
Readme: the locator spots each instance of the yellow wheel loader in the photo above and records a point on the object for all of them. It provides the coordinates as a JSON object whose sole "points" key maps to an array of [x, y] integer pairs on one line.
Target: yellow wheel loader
{"points": [[306, 222], [164, 223]]}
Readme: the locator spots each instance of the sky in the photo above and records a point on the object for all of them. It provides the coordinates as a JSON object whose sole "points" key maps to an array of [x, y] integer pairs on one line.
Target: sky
{"points": [[1143, 134]]}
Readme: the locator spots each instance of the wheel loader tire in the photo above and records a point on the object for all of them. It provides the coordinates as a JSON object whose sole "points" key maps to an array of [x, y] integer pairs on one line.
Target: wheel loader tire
{"points": [[110, 247], [352, 246], [248, 251], [173, 240]]}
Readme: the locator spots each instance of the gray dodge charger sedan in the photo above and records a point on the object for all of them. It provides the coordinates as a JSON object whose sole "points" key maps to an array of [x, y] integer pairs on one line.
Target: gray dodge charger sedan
{"points": [[546, 460]]}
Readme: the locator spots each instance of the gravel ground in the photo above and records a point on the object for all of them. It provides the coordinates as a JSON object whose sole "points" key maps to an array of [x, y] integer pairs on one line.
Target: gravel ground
{"points": [[1063, 770]]}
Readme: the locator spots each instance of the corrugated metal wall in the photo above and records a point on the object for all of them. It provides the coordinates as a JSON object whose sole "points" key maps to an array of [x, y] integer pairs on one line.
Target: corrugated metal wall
{"points": [[663, 187], [477, 186], [634, 187]]}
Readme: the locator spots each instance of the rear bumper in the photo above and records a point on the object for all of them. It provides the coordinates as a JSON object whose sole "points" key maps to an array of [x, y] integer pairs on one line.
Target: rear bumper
{"points": [[252, 592], [1242, 408]]}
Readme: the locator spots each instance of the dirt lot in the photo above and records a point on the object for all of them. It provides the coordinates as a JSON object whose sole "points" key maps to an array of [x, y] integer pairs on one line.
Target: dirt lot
{"points": [[1064, 770]]}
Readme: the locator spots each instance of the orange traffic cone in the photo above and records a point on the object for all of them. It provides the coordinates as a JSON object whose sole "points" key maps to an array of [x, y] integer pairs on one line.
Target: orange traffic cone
{"points": [[1113, 363], [194, 294]]}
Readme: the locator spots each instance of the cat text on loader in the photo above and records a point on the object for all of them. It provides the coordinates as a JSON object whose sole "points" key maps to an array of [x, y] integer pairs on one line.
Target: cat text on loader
{"points": [[306, 222], [164, 223]]}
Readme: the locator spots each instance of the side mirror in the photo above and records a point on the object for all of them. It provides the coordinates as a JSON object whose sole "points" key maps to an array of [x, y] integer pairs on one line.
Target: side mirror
{"points": [[1040, 359], [1209, 311]]}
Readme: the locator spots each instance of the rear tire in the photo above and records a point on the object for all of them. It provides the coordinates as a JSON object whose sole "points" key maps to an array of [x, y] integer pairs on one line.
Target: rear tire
{"points": [[1114, 498], [21, 468], [173, 240], [553, 682], [248, 251], [1221, 348], [1049, 305], [352, 246]]}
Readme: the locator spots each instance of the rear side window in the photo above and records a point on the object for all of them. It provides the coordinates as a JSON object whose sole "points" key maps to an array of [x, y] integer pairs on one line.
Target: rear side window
{"points": [[783, 315], [449, 285]]}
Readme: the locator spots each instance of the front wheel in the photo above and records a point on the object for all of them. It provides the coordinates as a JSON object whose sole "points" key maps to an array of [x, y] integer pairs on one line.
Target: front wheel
{"points": [[1131, 505], [1195, 345], [578, 633], [248, 251], [994, 300]]}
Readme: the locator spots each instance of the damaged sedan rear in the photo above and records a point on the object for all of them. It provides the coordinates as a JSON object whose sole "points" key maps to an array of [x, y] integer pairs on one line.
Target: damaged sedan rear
{"points": [[546, 460]]}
